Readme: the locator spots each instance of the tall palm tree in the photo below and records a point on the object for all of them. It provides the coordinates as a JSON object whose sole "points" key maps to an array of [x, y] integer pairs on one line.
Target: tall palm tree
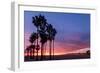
{"points": [[32, 40], [54, 32], [46, 32], [37, 49], [49, 30], [40, 23], [43, 40], [28, 52], [43, 34], [36, 21]]}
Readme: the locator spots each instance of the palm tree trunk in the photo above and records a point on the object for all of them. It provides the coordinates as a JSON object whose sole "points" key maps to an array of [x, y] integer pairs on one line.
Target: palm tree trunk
{"points": [[41, 51], [50, 48], [28, 55], [37, 44], [33, 53], [37, 55], [45, 49], [34, 50], [53, 49]]}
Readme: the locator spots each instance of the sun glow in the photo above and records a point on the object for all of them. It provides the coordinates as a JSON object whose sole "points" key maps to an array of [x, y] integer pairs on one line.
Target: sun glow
{"points": [[57, 52]]}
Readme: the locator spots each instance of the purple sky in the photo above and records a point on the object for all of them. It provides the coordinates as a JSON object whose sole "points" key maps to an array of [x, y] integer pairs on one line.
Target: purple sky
{"points": [[73, 29]]}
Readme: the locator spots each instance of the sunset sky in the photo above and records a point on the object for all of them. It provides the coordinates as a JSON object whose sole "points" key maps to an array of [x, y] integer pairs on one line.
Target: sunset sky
{"points": [[73, 30]]}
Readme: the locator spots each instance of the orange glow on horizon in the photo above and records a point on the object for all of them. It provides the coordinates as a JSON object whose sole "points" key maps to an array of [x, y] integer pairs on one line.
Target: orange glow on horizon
{"points": [[58, 52]]}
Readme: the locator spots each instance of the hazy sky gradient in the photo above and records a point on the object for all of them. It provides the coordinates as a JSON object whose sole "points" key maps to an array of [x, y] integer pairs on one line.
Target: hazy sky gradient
{"points": [[73, 29]]}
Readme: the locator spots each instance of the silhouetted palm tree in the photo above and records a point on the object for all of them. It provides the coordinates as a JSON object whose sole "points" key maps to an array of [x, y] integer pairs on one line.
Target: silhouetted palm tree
{"points": [[43, 40], [30, 49], [54, 32], [28, 52], [40, 23], [36, 21], [32, 40], [51, 33], [46, 32], [37, 49], [49, 30], [43, 34]]}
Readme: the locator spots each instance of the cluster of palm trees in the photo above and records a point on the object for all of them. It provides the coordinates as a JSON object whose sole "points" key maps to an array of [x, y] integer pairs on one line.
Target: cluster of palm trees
{"points": [[45, 33]]}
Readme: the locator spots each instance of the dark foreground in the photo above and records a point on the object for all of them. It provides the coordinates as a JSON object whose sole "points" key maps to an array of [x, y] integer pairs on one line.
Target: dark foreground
{"points": [[59, 57]]}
